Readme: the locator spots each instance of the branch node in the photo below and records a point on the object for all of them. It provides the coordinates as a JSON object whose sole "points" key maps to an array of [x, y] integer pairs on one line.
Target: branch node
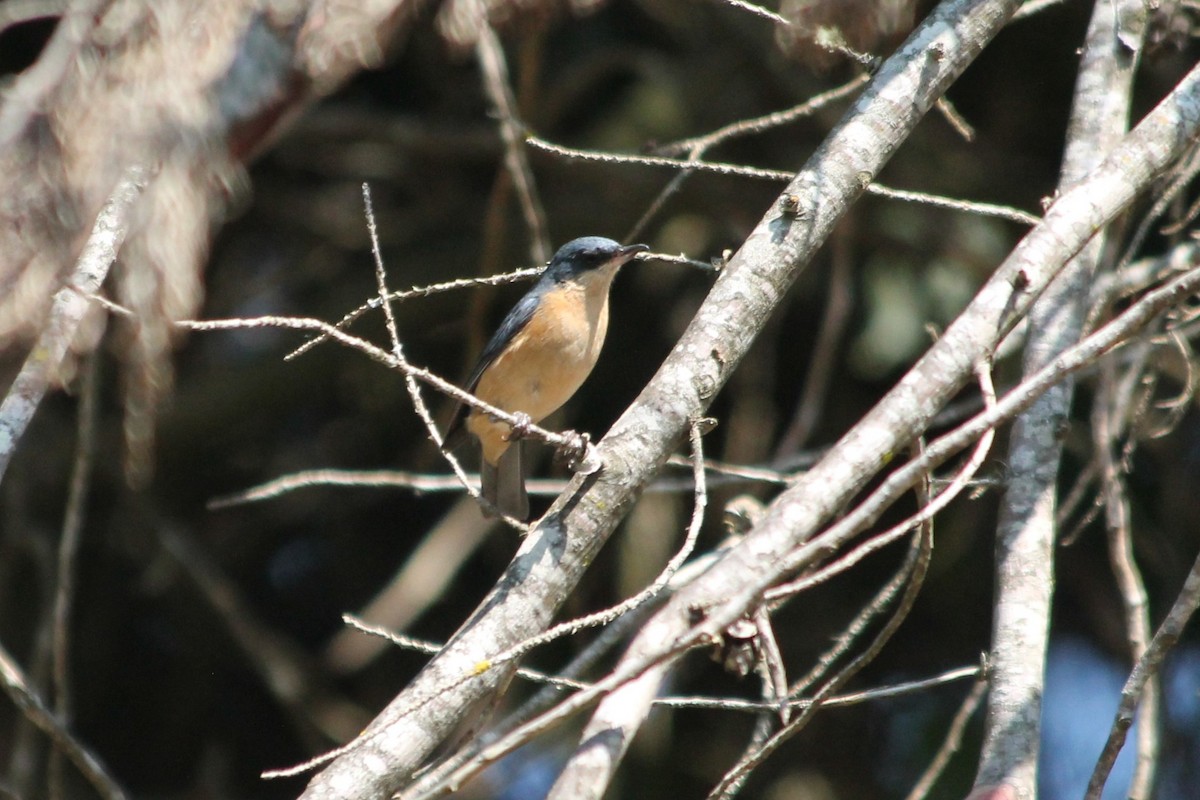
{"points": [[790, 205], [579, 454], [520, 427]]}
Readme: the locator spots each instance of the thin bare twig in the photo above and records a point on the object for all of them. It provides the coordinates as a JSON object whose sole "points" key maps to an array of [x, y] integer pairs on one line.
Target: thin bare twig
{"points": [[953, 204], [909, 578], [759, 173], [956, 120], [499, 92], [951, 490], [282, 485], [380, 272], [1075, 497], [655, 588], [825, 43], [309, 765], [857, 626], [66, 312], [68, 551], [715, 167], [901, 689], [1032, 7], [1110, 417], [953, 740], [418, 291], [720, 474], [1146, 667], [824, 353], [697, 145], [431, 648], [410, 381], [706, 266], [758, 11], [567, 441], [834, 701], [35, 710], [720, 469]]}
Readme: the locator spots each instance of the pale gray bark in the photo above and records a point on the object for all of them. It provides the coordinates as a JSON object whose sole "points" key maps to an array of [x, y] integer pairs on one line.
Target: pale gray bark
{"points": [[465, 675], [1027, 530], [555, 554], [41, 369], [781, 542]]}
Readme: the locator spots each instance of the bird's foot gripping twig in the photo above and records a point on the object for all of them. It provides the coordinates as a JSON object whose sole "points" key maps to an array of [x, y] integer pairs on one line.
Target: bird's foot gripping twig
{"points": [[578, 453], [519, 427]]}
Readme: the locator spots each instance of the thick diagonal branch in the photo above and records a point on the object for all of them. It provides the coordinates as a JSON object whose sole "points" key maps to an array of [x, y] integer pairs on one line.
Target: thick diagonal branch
{"points": [[782, 541], [554, 556]]}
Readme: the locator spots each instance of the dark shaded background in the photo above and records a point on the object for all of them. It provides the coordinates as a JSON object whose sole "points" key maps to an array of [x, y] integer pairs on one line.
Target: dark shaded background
{"points": [[168, 698]]}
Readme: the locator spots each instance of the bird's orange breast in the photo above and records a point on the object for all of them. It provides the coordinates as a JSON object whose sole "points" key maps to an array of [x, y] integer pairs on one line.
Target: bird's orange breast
{"points": [[547, 360]]}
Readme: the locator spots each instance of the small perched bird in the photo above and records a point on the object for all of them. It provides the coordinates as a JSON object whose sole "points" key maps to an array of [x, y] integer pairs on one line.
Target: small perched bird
{"points": [[541, 354]]}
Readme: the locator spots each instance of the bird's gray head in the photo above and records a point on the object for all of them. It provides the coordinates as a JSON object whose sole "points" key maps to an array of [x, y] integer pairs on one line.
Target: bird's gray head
{"points": [[588, 253]]}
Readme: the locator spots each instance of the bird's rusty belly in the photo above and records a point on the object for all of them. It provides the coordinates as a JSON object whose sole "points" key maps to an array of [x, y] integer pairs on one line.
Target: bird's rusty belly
{"points": [[536, 393], [544, 365], [536, 380]]}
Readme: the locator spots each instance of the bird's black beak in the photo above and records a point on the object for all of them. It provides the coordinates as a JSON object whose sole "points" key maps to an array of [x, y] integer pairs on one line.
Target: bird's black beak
{"points": [[626, 253]]}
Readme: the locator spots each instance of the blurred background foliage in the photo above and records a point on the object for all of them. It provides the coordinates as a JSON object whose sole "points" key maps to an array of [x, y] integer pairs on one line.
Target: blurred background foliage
{"points": [[166, 690]]}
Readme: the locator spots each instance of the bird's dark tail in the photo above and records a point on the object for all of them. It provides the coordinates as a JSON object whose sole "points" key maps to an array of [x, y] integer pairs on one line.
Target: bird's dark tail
{"points": [[504, 484]]}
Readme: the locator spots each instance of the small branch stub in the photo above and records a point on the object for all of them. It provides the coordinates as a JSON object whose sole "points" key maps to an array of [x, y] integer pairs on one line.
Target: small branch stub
{"points": [[579, 454], [791, 206]]}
